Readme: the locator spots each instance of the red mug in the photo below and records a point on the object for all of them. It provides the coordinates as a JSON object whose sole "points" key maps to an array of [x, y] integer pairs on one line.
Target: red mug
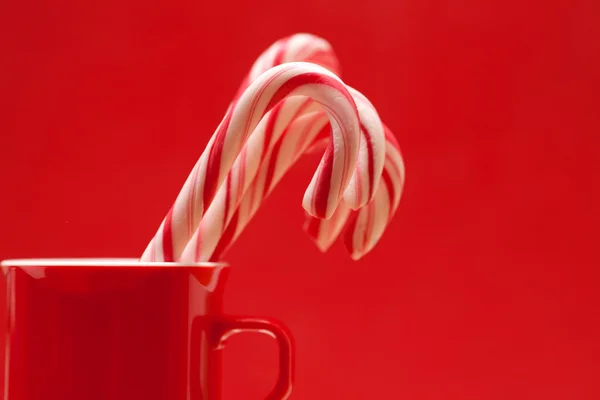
{"points": [[120, 329]]}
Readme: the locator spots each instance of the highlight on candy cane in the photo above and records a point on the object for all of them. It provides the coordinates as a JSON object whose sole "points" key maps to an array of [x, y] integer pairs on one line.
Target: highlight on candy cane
{"points": [[214, 228], [326, 188]]}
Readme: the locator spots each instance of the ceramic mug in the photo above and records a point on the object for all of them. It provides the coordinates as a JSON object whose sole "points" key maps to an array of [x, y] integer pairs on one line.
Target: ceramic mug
{"points": [[85, 329]]}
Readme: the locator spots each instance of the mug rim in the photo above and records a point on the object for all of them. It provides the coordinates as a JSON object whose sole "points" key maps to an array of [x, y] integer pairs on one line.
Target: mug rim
{"points": [[103, 262]]}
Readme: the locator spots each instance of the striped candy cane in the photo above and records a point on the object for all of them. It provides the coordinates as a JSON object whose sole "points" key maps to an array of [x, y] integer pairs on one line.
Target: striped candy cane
{"points": [[310, 48], [298, 47], [361, 234], [237, 202], [326, 189], [297, 135], [365, 226]]}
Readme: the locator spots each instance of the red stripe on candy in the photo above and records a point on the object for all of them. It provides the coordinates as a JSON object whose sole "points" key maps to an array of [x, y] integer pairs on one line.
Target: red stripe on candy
{"points": [[387, 179], [312, 227], [168, 237], [213, 166], [321, 198], [308, 78], [227, 238]]}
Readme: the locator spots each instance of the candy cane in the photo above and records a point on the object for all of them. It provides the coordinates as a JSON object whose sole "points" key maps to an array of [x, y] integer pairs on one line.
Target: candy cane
{"points": [[298, 47], [326, 189], [364, 227], [278, 159], [325, 232], [298, 134], [310, 48]]}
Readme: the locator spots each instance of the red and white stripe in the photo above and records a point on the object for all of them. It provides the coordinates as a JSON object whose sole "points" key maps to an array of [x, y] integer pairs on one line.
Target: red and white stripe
{"points": [[290, 141], [327, 186], [236, 203], [310, 48], [298, 47], [364, 227], [371, 154]]}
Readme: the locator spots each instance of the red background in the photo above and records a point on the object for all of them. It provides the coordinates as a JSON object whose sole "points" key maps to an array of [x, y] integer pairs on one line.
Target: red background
{"points": [[485, 286]]}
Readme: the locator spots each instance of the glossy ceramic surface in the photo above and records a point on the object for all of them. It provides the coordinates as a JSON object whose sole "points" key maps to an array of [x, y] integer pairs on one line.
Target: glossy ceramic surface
{"points": [[120, 330]]}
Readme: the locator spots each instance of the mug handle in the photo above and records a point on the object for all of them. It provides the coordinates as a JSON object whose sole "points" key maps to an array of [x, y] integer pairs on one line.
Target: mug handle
{"points": [[225, 327]]}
